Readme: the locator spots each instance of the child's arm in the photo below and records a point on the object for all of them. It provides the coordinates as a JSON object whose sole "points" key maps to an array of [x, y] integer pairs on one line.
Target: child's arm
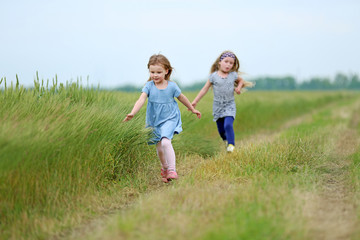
{"points": [[184, 100], [202, 92], [240, 84], [138, 105]]}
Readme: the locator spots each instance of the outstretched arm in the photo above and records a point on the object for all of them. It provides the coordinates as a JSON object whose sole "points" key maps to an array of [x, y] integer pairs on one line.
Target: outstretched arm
{"points": [[184, 100], [138, 105], [202, 92], [240, 84]]}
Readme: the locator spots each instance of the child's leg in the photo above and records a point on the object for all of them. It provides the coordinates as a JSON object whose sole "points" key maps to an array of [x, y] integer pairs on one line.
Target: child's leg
{"points": [[221, 128], [161, 155], [169, 153], [229, 130]]}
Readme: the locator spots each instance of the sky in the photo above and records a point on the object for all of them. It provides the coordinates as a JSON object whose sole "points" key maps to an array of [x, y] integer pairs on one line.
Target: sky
{"points": [[111, 41]]}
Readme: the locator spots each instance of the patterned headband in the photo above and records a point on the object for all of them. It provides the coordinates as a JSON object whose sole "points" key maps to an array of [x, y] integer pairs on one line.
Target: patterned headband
{"points": [[227, 54]]}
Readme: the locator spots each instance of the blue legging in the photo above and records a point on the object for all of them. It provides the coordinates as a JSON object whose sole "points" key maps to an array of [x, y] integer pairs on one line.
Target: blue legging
{"points": [[226, 130]]}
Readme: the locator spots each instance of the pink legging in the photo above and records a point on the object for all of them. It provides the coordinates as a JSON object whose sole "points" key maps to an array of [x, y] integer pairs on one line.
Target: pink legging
{"points": [[166, 154]]}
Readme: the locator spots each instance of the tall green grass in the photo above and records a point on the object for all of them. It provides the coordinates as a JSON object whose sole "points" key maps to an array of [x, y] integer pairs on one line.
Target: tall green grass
{"points": [[61, 144]]}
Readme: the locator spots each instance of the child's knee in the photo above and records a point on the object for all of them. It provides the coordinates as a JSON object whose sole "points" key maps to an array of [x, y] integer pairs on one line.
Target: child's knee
{"points": [[165, 142]]}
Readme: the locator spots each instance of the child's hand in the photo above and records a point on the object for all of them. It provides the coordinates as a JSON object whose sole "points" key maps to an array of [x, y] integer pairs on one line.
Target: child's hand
{"points": [[128, 117], [240, 84], [198, 114], [192, 104]]}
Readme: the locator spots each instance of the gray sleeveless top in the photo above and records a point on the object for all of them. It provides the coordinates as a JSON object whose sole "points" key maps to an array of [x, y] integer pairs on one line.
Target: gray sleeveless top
{"points": [[224, 101]]}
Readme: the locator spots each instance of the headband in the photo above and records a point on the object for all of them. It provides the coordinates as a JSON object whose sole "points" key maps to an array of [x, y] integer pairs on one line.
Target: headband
{"points": [[227, 54]]}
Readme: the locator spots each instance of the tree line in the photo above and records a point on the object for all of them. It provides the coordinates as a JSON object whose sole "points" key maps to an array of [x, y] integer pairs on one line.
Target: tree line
{"points": [[339, 82]]}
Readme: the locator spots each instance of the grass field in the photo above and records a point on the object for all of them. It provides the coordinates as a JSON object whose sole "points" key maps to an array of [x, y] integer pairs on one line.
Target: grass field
{"points": [[70, 169]]}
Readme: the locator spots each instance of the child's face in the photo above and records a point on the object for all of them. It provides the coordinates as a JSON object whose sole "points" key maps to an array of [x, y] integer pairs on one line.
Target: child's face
{"points": [[226, 64], [157, 73]]}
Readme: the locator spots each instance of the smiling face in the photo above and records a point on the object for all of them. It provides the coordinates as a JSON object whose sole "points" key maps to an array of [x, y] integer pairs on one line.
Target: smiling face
{"points": [[157, 73], [226, 64]]}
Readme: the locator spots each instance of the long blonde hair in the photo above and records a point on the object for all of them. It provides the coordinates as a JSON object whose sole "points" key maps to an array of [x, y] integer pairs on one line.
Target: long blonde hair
{"points": [[235, 68], [162, 60]]}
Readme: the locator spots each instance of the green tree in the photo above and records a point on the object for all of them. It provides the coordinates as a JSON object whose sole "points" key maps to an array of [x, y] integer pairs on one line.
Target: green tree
{"points": [[341, 81], [354, 82]]}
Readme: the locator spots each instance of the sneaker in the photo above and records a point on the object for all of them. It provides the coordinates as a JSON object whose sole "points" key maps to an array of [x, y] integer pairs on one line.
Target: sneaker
{"points": [[226, 143], [172, 175], [164, 173], [230, 148]]}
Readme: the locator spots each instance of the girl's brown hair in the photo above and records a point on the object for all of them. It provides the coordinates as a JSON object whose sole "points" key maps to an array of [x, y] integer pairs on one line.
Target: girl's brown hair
{"points": [[215, 66], [162, 60]]}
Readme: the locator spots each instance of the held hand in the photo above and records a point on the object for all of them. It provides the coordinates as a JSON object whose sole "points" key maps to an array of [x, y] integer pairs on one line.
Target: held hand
{"points": [[128, 117], [198, 114], [192, 104], [238, 91]]}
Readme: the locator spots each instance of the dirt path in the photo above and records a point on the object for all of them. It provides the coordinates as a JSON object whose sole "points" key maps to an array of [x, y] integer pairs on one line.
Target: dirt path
{"points": [[331, 213]]}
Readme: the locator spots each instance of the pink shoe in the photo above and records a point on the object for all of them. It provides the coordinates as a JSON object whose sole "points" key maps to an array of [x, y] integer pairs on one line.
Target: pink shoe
{"points": [[172, 175], [163, 175]]}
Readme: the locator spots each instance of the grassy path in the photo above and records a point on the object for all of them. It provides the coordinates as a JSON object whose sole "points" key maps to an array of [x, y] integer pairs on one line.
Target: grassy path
{"points": [[292, 184], [331, 211]]}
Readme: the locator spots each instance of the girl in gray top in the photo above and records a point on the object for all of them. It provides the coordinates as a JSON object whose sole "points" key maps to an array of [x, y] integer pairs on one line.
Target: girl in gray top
{"points": [[225, 80]]}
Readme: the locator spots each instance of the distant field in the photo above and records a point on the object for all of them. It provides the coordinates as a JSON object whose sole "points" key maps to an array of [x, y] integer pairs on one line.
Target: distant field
{"points": [[69, 168]]}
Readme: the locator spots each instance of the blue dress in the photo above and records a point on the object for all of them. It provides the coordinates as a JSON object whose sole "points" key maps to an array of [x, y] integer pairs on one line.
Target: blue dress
{"points": [[162, 112]]}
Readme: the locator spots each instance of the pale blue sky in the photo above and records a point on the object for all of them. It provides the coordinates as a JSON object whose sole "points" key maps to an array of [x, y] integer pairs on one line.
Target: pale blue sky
{"points": [[111, 41]]}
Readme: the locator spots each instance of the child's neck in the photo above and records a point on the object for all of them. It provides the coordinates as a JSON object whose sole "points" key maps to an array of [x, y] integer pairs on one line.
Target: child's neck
{"points": [[161, 85], [222, 73]]}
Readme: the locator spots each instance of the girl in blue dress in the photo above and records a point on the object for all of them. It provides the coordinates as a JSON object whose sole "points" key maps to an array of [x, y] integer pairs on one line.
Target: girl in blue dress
{"points": [[162, 112], [225, 79]]}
